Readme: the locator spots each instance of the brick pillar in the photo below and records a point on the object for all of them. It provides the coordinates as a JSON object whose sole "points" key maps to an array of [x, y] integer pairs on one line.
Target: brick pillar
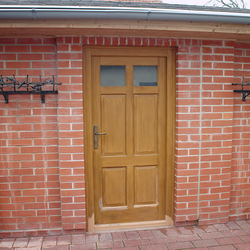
{"points": [[216, 129], [240, 183], [70, 112], [188, 79]]}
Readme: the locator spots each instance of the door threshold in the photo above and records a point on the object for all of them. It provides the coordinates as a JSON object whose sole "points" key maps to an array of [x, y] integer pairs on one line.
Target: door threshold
{"points": [[135, 225]]}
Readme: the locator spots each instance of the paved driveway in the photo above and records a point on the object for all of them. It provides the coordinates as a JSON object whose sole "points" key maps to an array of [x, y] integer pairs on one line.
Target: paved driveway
{"points": [[230, 236]]}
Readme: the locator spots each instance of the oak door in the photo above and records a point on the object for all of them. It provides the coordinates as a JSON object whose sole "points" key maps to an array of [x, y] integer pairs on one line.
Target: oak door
{"points": [[129, 155]]}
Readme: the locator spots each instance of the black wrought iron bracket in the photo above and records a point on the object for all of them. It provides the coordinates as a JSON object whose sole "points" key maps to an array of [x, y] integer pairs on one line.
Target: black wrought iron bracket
{"points": [[25, 87], [245, 92]]}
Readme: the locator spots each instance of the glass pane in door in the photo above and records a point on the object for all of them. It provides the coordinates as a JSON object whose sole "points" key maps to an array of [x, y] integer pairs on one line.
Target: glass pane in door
{"points": [[145, 75], [113, 76]]}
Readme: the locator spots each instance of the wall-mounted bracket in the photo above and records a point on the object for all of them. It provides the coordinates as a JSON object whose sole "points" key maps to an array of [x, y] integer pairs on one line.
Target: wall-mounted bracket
{"points": [[245, 92], [27, 87], [6, 97]]}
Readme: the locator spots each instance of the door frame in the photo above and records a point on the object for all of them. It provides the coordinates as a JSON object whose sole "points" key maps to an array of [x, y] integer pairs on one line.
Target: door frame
{"points": [[169, 54]]}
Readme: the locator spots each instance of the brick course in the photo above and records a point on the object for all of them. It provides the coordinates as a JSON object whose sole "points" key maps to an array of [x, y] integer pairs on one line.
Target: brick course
{"points": [[42, 189]]}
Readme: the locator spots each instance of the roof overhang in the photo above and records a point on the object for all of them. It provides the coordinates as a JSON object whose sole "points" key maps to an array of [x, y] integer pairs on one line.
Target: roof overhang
{"points": [[121, 21]]}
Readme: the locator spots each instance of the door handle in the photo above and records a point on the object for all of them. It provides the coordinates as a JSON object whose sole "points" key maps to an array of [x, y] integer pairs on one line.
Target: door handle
{"points": [[96, 136]]}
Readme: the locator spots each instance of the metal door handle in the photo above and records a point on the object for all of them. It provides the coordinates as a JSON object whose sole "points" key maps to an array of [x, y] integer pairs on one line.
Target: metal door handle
{"points": [[104, 133], [96, 136]]}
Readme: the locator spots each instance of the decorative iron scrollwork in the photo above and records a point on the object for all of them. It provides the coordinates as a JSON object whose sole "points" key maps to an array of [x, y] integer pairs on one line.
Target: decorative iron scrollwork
{"points": [[10, 85], [245, 92]]}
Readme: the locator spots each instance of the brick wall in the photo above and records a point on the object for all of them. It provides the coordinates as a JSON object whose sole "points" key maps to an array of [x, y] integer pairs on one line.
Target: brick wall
{"points": [[216, 141], [29, 166], [240, 183], [204, 131], [36, 192], [42, 187]]}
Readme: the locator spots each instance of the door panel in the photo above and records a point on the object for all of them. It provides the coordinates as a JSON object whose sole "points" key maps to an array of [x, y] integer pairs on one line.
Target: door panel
{"points": [[130, 161], [114, 187], [145, 193], [146, 124], [113, 117]]}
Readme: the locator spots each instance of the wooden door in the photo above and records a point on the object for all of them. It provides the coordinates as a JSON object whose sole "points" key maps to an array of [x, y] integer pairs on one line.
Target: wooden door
{"points": [[129, 164]]}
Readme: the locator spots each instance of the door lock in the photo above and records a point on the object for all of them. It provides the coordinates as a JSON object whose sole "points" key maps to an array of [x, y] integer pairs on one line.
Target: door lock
{"points": [[96, 136]]}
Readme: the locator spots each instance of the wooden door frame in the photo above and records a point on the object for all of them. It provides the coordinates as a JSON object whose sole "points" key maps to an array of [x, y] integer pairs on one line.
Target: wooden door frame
{"points": [[88, 52]]}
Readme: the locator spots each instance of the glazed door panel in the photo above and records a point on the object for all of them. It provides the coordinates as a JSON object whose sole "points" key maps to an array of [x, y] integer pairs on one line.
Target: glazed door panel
{"points": [[129, 109]]}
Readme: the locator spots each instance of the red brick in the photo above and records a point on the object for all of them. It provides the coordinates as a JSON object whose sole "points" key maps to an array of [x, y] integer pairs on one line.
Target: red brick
{"points": [[212, 43], [122, 41], [130, 41], [212, 57], [113, 244], [136, 242], [43, 64], [115, 41], [107, 41], [6, 57], [154, 247], [7, 40], [138, 41], [99, 41], [47, 48], [69, 56], [179, 245], [88, 246], [31, 72], [17, 48], [189, 57], [166, 42]]}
